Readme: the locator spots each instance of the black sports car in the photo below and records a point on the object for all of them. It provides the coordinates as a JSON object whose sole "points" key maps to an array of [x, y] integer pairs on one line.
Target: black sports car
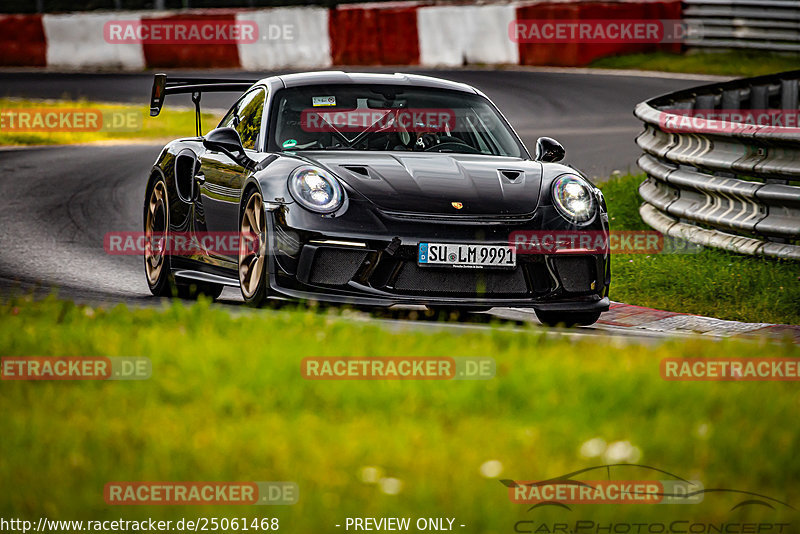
{"points": [[375, 190]]}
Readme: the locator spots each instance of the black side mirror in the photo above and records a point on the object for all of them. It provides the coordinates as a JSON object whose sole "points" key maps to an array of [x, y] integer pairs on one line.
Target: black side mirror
{"points": [[549, 150], [227, 141]]}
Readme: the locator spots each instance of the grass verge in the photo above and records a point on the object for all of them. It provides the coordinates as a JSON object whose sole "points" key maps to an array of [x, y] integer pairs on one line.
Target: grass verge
{"points": [[713, 282], [226, 402], [738, 63], [51, 122]]}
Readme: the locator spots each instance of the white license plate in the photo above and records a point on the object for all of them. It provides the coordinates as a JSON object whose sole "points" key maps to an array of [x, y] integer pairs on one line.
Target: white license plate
{"points": [[451, 255]]}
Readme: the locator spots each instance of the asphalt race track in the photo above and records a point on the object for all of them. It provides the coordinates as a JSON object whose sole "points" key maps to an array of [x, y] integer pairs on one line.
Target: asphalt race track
{"points": [[59, 202], [590, 114]]}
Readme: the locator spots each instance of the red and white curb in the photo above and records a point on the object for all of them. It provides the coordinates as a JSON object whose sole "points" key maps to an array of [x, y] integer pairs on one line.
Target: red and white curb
{"points": [[636, 321], [652, 320], [388, 33]]}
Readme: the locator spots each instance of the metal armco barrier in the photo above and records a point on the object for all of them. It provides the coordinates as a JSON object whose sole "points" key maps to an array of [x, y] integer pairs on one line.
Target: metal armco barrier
{"points": [[735, 188], [753, 24]]}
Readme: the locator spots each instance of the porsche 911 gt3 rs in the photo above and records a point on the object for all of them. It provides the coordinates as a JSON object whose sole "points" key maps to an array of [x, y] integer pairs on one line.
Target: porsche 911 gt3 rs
{"points": [[371, 189]]}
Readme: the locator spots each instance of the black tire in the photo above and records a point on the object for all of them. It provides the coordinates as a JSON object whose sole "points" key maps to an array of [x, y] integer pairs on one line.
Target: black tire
{"points": [[156, 221], [253, 260], [158, 273], [567, 318]]}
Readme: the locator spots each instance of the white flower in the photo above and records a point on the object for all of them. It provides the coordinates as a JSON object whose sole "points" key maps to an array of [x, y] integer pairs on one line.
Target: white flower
{"points": [[593, 448], [391, 486], [622, 452], [370, 474], [491, 469], [702, 430]]}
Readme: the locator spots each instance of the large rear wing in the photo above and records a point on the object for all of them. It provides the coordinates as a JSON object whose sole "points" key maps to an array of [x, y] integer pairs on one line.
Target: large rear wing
{"points": [[194, 86]]}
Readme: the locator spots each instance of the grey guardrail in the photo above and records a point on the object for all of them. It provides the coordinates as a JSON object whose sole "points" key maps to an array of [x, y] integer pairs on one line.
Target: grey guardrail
{"points": [[735, 188], [752, 24]]}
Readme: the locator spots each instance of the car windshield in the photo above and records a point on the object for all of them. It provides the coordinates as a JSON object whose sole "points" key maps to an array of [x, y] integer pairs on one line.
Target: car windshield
{"points": [[386, 118]]}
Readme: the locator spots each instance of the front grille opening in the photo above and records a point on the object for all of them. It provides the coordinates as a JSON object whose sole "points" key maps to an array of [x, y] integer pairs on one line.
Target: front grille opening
{"points": [[540, 278], [335, 266], [467, 282], [576, 273]]}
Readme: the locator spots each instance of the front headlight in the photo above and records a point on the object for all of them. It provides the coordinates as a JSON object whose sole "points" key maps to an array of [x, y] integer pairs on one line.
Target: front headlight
{"points": [[315, 189], [572, 196]]}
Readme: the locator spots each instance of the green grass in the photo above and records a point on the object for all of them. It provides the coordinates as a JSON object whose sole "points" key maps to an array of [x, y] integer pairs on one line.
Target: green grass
{"points": [[737, 63], [226, 402], [136, 123], [713, 282]]}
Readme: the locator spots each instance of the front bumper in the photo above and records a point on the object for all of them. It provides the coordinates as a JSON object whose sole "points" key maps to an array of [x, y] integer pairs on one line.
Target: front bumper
{"points": [[374, 263]]}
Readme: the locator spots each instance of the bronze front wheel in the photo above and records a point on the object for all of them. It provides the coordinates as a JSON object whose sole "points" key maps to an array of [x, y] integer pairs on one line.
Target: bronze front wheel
{"points": [[253, 251]]}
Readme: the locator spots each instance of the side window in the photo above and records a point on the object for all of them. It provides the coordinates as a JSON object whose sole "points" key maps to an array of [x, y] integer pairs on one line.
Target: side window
{"points": [[229, 120], [245, 117], [249, 112]]}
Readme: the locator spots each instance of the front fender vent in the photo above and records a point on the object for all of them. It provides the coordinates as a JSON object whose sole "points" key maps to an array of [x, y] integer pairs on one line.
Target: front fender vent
{"points": [[360, 170], [510, 175]]}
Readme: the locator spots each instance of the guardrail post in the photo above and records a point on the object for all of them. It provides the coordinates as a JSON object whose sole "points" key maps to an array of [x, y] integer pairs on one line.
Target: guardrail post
{"points": [[789, 94], [759, 97], [731, 99], [705, 102]]}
